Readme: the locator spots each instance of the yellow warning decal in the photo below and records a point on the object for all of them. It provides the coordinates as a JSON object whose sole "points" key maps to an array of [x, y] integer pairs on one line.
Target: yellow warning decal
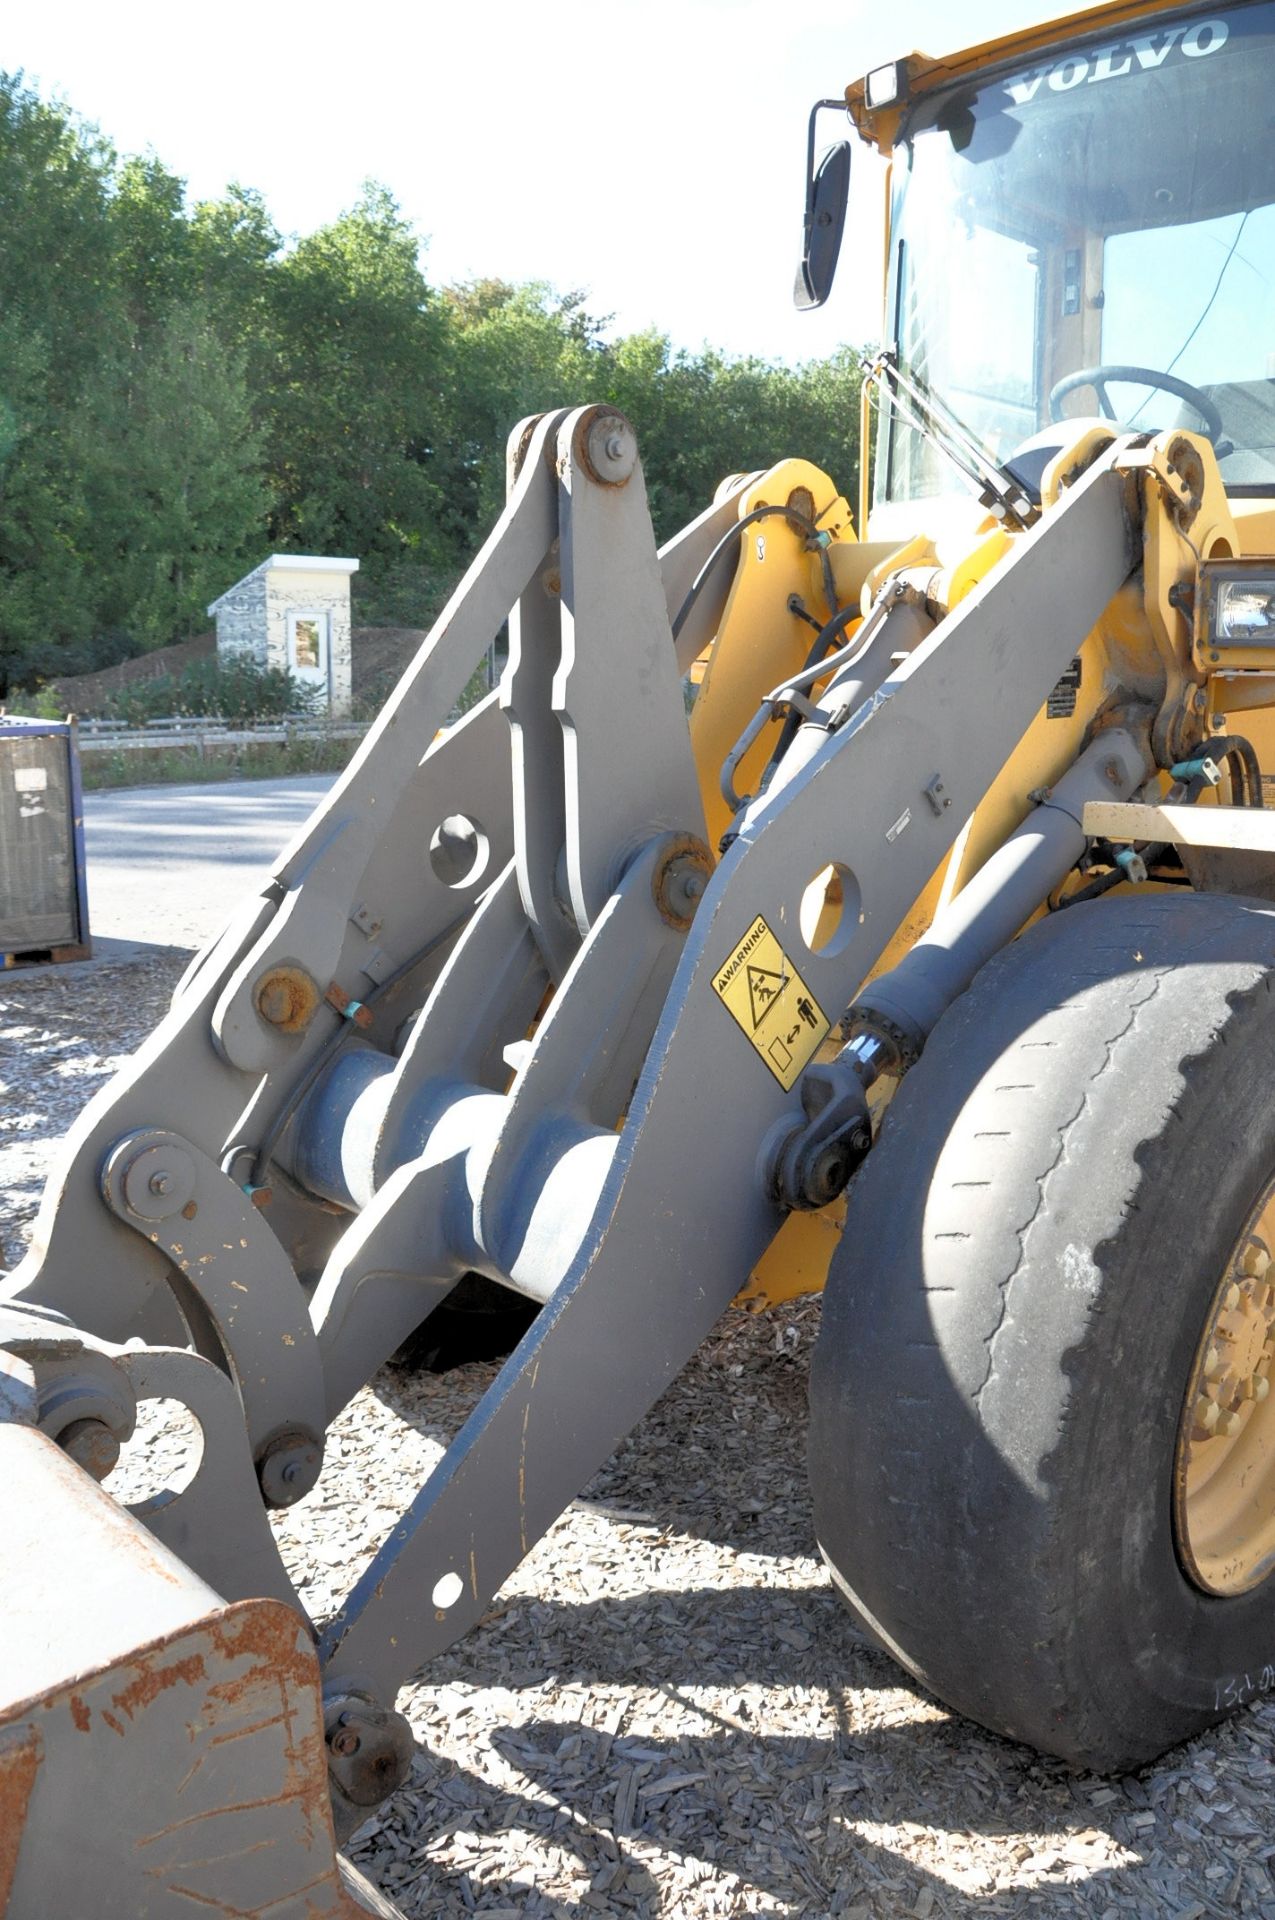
{"points": [[767, 997]]}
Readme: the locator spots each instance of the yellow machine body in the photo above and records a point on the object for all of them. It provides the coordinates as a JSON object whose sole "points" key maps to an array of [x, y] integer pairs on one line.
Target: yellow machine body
{"points": [[946, 546]]}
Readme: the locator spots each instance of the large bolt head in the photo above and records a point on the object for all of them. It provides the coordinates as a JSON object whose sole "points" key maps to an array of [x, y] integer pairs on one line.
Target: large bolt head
{"points": [[681, 880], [607, 447], [827, 1175], [288, 998], [288, 1467], [159, 1181], [370, 1751], [92, 1445]]}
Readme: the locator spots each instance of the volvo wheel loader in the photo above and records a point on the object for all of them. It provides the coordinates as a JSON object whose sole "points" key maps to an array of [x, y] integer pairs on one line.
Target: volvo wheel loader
{"points": [[887, 908]]}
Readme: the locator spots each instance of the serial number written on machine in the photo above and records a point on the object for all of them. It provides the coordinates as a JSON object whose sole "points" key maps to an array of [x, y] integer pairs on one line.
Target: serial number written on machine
{"points": [[771, 1003]]}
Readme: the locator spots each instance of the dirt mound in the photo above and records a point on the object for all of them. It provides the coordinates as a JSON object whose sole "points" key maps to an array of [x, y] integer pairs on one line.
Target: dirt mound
{"points": [[379, 657], [89, 692]]}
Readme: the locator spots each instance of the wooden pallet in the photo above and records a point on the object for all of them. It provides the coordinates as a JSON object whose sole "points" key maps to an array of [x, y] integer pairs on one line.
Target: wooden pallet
{"points": [[44, 956]]}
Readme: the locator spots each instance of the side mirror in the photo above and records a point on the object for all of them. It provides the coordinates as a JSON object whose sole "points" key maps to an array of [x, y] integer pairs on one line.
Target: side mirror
{"points": [[827, 193]]}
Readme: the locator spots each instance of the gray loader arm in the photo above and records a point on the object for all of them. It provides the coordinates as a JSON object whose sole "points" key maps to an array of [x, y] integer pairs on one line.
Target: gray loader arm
{"points": [[358, 1096]]}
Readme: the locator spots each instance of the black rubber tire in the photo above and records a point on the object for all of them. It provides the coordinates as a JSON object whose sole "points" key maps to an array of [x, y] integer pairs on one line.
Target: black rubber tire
{"points": [[479, 1320], [1009, 1326]]}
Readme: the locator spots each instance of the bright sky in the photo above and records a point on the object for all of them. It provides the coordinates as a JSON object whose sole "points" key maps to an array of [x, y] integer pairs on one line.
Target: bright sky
{"points": [[648, 150]]}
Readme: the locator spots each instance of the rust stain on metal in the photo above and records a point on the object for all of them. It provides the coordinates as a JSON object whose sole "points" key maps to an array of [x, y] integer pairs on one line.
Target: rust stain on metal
{"points": [[680, 878], [80, 1713], [112, 1722], [268, 1633], [524, 443], [19, 1764], [263, 1674], [152, 1681], [287, 997], [337, 997], [251, 1730]]}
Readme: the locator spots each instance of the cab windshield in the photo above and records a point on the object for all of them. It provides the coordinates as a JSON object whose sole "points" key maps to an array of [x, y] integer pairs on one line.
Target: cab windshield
{"points": [[1109, 208]]}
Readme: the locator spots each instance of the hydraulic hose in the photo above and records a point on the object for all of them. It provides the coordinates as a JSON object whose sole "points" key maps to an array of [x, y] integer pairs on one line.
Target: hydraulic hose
{"points": [[906, 1003], [727, 541], [1239, 751], [821, 646]]}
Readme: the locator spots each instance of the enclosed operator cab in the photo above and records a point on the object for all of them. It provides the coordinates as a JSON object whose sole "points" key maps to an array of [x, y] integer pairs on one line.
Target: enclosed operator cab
{"points": [[1082, 229]]}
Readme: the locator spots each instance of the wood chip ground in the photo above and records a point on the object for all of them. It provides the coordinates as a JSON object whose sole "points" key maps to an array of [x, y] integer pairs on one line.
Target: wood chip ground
{"points": [[666, 1711]]}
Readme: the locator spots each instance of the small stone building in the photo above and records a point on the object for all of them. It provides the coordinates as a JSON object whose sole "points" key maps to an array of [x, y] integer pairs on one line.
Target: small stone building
{"points": [[292, 611]]}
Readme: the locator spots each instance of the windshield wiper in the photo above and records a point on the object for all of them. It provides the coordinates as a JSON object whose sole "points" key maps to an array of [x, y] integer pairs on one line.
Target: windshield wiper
{"points": [[918, 404]]}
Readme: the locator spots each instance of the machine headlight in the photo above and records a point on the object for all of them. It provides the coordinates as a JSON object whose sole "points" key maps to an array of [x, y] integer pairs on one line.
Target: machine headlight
{"points": [[1238, 603], [885, 85], [1244, 610]]}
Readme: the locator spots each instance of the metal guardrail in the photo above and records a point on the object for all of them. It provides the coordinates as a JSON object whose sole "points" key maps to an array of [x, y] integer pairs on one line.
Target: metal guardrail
{"points": [[204, 731]]}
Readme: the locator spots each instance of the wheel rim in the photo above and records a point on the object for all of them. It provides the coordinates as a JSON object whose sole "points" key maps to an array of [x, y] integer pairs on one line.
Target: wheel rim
{"points": [[1224, 1475]]}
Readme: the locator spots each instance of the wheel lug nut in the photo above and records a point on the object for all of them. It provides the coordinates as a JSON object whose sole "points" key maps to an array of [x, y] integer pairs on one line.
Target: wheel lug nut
{"points": [[1255, 1259]]}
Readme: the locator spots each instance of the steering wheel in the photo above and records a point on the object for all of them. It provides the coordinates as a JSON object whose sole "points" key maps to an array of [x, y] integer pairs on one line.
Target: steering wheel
{"points": [[1097, 378]]}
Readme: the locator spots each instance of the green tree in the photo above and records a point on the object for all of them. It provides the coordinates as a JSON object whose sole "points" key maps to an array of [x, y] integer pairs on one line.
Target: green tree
{"points": [[700, 417], [513, 351], [57, 271], [57, 307], [172, 458], [179, 391], [43, 518], [234, 247], [354, 410], [151, 242]]}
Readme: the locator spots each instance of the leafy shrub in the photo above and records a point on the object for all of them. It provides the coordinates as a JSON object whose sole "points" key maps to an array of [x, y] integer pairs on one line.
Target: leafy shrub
{"points": [[233, 690], [44, 704], [166, 766]]}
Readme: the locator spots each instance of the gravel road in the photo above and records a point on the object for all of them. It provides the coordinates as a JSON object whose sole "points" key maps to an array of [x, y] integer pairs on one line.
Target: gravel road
{"points": [[666, 1713]]}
